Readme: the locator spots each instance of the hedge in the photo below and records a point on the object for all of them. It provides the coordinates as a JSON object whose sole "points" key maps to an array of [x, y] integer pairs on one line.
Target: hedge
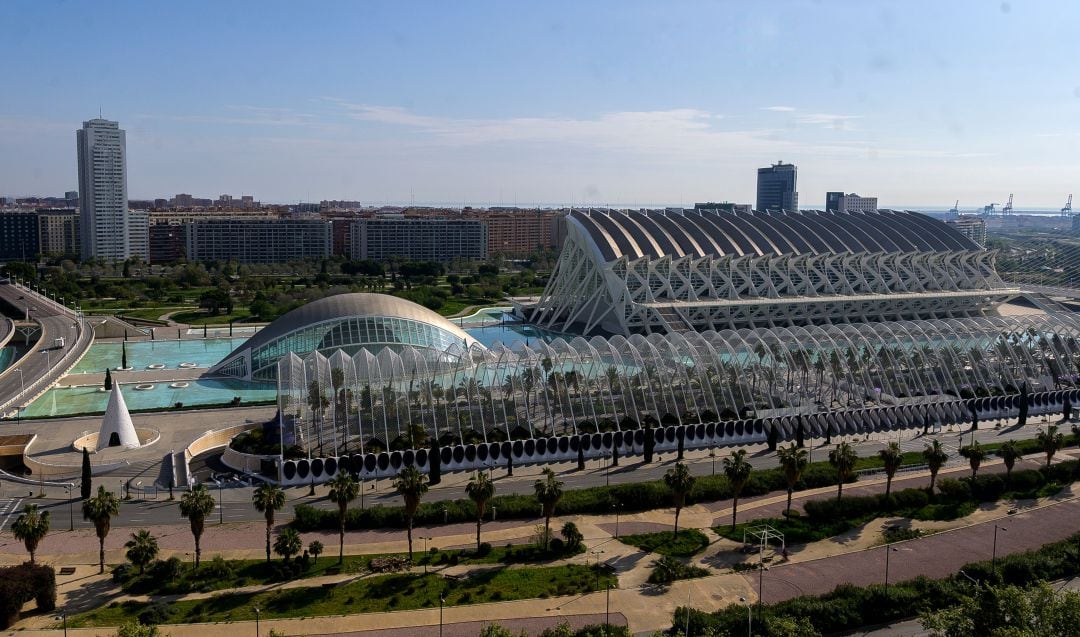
{"points": [[22, 583], [850, 607], [632, 497]]}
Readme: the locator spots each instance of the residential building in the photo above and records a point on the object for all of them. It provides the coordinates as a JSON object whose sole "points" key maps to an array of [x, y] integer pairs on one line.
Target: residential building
{"points": [[139, 234], [854, 203], [259, 240], [19, 236], [777, 188], [420, 239], [974, 228], [58, 231], [832, 200], [103, 202], [519, 234], [737, 208], [168, 242]]}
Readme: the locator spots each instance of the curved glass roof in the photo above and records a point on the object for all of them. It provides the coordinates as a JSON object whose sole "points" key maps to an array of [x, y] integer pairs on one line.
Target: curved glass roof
{"points": [[343, 321], [701, 233]]}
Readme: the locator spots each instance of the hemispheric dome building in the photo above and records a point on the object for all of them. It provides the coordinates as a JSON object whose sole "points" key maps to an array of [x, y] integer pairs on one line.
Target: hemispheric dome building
{"points": [[346, 322]]}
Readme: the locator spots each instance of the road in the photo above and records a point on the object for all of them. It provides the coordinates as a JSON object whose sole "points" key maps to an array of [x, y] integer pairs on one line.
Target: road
{"points": [[39, 369], [149, 507]]}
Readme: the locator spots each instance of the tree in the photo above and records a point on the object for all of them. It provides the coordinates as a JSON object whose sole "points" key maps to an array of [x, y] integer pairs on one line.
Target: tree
{"points": [[108, 380], [195, 505], [411, 485], [548, 491], [86, 484], [891, 457], [975, 454], [573, 537], [142, 549], [1008, 611], [343, 490], [30, 528], [288, 543], [100, 510], [793, 461], [268, 499], [1050, 441], [316, 549], [737, 470], [480, 490], [680, 482], [935, 458], [123, 355], [843, 459], [1009, 453]]}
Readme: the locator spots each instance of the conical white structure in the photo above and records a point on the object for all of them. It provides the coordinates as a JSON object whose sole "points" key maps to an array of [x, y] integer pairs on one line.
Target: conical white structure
{"points": [[117, 423]]}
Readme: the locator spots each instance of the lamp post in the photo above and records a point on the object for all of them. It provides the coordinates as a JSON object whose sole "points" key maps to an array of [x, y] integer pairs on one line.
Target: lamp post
{"points": [[712, 458], [22, 390], [607, 610], [888, 549], [71, 515], [220, 504], [749, 617], [597, 554], [63, 615], [442, 600], [256, 621], [993, 554], [616, 507]]}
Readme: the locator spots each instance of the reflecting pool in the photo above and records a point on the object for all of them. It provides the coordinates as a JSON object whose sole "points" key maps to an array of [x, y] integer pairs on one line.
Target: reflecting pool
{"points": [[202, 352], [62, 401]]}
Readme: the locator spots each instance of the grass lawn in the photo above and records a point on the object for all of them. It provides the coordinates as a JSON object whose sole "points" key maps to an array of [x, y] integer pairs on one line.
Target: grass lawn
{"points": [[370, 594], [796, 529], [689, 542], [153, 313], [199, 317]]}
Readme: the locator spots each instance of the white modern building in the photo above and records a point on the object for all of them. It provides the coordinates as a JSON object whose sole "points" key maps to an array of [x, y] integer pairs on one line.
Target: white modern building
{"points": [[139, 234], [653, 271], [103, 208]]}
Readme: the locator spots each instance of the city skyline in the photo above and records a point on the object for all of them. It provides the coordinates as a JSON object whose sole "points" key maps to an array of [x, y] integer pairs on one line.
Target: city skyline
{"points": [[605, 104]]}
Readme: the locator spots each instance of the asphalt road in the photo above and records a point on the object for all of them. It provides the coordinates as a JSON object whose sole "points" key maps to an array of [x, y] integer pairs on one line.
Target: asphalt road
{"points": [[149, 507]]}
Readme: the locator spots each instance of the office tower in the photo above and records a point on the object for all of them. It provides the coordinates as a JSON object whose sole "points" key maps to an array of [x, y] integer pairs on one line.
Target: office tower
{"points": [[103, 207], [832, 200], [776, 188]]}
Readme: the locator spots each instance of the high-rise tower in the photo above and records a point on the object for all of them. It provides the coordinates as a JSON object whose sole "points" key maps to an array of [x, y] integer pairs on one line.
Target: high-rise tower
{"points": [[103, 207], [776, 188]]}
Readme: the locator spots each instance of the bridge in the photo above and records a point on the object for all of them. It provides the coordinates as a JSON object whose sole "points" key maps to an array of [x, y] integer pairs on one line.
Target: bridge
{"points": [[65, 336]]}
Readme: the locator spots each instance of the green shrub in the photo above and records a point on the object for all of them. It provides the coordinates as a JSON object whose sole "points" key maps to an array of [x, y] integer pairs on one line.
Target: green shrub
{"points": [[953, 490]]}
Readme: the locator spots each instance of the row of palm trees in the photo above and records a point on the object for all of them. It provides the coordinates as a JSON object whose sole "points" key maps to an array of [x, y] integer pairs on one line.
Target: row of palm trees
{"points": [[197, 504]]}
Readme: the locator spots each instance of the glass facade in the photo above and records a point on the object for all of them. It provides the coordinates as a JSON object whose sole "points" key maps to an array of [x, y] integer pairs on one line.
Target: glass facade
{"points": [[358, 399]]}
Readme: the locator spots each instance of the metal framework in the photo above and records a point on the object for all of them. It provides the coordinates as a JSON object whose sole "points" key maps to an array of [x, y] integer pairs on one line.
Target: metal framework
{"points": [[398, 398], [640, 272]]}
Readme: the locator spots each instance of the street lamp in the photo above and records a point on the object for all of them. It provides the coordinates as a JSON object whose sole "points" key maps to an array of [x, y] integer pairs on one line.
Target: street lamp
{"points": [[712, 458], [256, 621], [888, 549], [616, 506], [607, 610], [63, 615], [22, 390], [442, 600], [993, 554], [597, 554], [220, 504], [749, 617]]}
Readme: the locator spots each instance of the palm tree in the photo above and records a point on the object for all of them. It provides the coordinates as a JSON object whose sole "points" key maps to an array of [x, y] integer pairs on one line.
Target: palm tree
{"points": [[843, 459], [1050, 441], [288, 543], [100, 509], [195, 505], [737, 470], [793, 461], [975, 455], [935, 457], [343, 490], [142, 548], [891, 457], [268, 499], [411, 485], [679, 480], [1009, 453], [31, 527], [480, 489], [548, 492], [316, 549]]}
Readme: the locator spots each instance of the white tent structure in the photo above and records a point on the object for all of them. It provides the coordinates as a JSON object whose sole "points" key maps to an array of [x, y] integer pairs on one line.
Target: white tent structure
{"points": [[117, 429]]}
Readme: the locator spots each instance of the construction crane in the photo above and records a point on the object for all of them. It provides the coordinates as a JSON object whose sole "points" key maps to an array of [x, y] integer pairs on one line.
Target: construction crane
{"points": [[1007, 210], [1067, 210], [955, 210]]}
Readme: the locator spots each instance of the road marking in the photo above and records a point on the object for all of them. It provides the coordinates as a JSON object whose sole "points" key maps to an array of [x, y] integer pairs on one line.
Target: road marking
{"points": [[8, 506]]}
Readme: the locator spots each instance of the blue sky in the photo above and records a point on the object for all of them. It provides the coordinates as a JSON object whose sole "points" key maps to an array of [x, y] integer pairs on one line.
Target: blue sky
{"points": [[619, 103]]}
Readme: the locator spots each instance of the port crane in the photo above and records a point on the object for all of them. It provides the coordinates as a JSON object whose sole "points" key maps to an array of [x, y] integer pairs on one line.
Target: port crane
{"points": [[1067, 210], [1007, 210], [988, 209], [955, 210]]}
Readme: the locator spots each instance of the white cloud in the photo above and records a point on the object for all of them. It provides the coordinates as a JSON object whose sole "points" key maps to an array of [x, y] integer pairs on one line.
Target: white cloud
{"points": [[779, 109], [828, 120]]}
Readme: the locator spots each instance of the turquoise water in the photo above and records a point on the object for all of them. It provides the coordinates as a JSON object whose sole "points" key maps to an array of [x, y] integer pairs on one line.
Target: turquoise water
{"points": [[202, 352], [9, 355], [63, 401]]}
